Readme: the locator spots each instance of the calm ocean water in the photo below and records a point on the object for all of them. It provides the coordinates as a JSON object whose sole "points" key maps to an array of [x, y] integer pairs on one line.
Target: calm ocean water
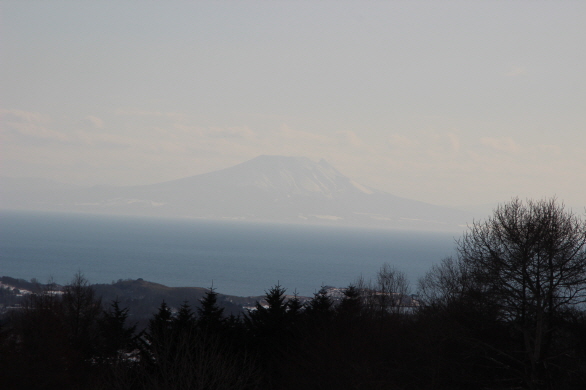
{"points": [[240, 258]]}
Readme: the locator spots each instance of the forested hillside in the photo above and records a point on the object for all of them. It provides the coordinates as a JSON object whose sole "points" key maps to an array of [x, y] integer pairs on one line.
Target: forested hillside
{"points": [[507, 313]]}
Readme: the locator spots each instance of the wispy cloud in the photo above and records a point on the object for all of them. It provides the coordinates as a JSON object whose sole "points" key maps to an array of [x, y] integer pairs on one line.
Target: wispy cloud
{"points": [[454, 141], [503, 144], [400, 141], [516, 71], [94, 121], [31, 125], [305, 136], [144, 113]]}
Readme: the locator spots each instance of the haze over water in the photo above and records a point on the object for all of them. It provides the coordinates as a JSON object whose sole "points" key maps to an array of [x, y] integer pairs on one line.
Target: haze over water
{"points": [[239, 258]]}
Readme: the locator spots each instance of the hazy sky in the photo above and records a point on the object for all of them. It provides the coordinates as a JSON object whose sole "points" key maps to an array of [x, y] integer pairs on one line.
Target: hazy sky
{"points": [[445, 102]]}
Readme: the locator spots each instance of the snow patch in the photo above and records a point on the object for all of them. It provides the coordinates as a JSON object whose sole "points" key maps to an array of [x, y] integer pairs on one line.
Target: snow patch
{"points": [[327, 217], [361, 187]]}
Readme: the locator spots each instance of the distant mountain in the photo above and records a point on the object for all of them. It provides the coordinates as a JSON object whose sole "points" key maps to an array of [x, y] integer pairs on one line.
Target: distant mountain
{"points": [[266, 188]]}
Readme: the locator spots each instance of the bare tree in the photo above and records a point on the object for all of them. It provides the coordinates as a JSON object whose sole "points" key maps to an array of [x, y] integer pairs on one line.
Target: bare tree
{"points": [[443, 283], [81, 308], [529, 261], [389, 293]]}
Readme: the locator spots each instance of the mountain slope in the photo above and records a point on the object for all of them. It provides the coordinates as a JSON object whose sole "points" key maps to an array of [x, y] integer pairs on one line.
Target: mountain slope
{"points": [[266, 188], [279, 175]]}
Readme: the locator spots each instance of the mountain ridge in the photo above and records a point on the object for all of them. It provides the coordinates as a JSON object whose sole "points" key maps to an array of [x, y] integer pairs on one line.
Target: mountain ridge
{"points": [[260, 171], [267, 188]]}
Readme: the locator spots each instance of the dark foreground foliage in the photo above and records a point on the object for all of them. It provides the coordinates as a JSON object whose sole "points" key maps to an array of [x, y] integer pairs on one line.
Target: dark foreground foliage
{"points": [[500, 316], [461, 344]]}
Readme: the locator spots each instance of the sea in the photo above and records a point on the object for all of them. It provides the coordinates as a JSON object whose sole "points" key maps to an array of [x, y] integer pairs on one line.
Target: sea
{"points": [[236, 258]]}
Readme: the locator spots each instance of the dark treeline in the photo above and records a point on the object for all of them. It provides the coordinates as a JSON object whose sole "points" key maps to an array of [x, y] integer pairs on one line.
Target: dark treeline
{"points": [[507, 313]]}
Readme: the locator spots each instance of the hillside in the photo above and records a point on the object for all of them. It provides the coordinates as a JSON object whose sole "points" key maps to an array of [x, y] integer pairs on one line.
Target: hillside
{"points": [[141, 297]]}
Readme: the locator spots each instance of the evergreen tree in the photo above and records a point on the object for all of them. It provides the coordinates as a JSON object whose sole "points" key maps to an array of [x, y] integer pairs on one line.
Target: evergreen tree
{"points": [[295, 307], [210, 314], [185, 319], [351, 305], [162, 320], [115, 334], [159, 330], [271, 320], [319, 308]]}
